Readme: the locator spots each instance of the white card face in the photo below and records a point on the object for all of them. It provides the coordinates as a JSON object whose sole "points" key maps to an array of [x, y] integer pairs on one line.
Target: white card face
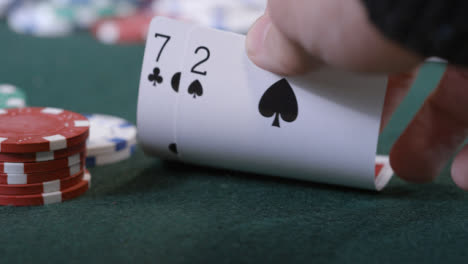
{"points": [[159, 85], [231, 114]]}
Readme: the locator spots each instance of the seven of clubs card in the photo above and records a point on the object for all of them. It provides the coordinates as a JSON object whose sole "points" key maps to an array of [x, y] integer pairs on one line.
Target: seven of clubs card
{"points": [[159, 86], [203, 101]]}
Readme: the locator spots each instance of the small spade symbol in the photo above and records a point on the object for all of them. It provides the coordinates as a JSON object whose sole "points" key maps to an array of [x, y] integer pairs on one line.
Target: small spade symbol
{"points": [[195, 89], [173, 148], [279, 100], [155, 77], [175, 81]]}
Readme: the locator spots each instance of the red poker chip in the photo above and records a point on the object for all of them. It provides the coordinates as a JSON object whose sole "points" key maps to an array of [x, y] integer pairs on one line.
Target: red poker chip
{"points": [[39, 129], [49, 198], [40, 177], [131, 29], [43, 156], [45, 166], [43, 187]]}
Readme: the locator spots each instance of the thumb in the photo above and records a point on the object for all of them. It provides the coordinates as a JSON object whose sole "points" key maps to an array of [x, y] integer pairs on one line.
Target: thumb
{"points": [[295, 36], [269, 49]]}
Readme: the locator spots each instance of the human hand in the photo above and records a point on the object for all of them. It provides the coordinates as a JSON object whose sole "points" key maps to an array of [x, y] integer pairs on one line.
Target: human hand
{"points": [[296, 36]]}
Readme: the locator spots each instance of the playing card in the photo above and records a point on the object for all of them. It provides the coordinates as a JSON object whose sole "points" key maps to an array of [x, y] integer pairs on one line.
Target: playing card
{"points": [[159, 86], [231, 114], [214, 88]]}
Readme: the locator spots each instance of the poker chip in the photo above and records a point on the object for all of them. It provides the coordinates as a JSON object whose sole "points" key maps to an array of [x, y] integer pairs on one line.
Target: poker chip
{"points": [[38, 18], [43, 156], [109, 134], [11, 96], [57, 18], [5, 6], [45, 166], [40, 177], [43, 187], [36, 129], [110, 158], [84, 13], [49, 197], [131, 29], [81, 16]]}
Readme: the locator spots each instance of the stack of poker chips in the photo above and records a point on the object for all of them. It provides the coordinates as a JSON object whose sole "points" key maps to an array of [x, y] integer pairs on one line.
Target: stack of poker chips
{"points": [[112, 139], [42, 156]]}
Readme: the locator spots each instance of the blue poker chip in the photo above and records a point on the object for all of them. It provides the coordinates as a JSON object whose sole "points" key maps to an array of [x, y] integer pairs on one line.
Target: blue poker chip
{"points": [[109, 135]]}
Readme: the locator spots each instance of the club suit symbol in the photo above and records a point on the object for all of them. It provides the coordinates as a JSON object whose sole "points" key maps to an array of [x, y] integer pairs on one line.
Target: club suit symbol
{"points": [[155, 77]]}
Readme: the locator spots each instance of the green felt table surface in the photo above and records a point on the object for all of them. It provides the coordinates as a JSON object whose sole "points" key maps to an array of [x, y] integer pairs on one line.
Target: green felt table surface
{"points": [[146, 211]]}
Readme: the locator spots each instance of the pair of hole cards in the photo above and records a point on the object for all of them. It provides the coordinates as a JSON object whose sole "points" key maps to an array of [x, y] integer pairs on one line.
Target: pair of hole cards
{"points": [[202, 101]]}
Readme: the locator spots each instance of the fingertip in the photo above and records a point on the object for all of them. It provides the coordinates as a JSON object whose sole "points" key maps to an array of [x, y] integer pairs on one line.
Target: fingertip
{"points": [[256, 37], [409, 168], [271, 50], [459, 169]]}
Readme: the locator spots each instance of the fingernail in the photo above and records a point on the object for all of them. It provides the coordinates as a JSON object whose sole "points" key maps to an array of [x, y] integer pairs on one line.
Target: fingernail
{"points": [[257, 34], [460, 176]]}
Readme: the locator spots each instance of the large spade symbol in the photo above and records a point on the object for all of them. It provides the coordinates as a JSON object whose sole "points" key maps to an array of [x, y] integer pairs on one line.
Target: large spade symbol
{"points": [[279, 100]]}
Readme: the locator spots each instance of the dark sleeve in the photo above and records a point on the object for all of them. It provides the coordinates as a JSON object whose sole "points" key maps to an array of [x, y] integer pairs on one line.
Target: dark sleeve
{"points": [[428, 27]]}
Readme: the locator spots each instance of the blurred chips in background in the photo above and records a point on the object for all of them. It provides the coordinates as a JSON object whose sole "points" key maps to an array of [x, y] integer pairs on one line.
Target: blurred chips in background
{"points": [[123, 21]]}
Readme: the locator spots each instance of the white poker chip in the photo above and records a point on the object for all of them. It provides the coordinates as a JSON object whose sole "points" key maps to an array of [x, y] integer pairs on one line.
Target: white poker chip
{"points": [[11, 96], [109, 134], [110, 158], [38, 19], [108, 32]]}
